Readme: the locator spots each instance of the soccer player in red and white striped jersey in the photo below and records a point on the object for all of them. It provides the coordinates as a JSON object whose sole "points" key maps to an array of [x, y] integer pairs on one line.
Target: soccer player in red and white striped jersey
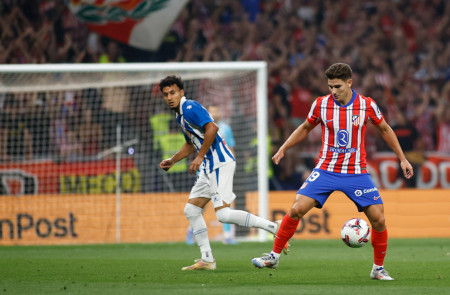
{"points": [[343, 129], [343, 116]]}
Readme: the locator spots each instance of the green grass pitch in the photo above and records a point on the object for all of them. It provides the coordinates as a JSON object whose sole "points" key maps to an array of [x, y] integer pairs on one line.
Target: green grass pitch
{"points": [[419, 266]]}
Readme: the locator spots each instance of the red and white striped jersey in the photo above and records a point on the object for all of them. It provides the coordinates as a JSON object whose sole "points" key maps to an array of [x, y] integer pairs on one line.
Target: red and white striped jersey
{"points": [[343, 130]]}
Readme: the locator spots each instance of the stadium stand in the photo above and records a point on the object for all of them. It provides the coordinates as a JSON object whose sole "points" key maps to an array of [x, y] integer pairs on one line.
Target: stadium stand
{"points": [[399, 52]]}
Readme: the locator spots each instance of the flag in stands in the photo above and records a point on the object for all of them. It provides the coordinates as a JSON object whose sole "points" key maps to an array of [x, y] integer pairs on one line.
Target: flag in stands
{"points": [[138, 23]]}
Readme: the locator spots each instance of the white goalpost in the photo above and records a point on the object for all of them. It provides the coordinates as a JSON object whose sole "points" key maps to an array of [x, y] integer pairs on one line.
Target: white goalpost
{"points": [[88, 131]]}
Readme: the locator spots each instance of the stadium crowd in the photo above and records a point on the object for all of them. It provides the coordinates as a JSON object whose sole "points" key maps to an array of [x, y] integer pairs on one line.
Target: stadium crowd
{"points": [[399, 51]]}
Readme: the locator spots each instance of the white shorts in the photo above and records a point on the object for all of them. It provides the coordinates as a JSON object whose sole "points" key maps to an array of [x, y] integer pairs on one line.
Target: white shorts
{"points": [[217, 185]]}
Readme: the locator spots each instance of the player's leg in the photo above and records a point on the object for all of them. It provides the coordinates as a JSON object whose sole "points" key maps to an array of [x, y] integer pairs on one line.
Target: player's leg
{"points": [[243, 218], [375, 214], [361, 189], [302, 205], [223, 196], [194, 213], [229, 234], [313, 193]]}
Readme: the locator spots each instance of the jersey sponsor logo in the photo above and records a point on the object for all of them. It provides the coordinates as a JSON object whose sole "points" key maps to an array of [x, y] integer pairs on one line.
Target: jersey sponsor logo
{"points": [[343, 137], [366, 191], [341, 151]]}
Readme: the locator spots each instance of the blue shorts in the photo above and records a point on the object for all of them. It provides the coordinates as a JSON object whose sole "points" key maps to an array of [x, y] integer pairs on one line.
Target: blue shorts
{"points": [[358, 187]]}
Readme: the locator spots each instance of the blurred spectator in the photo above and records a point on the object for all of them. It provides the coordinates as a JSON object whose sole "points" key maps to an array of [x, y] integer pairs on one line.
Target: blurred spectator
{"points": [[216, 51], [71, 148], [16, 140], [115, 105], [90, 134], [300, 102], [38, 122], [443, 126], [280, 103], [169, 143], [411, 144], [225, 129], [113, 53]]}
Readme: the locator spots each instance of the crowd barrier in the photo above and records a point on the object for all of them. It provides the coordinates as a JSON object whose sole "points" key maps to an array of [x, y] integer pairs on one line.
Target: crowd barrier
{"points": [[148, 218]]}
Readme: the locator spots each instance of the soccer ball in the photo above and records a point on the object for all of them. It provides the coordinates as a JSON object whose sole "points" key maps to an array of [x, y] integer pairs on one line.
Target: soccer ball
{"points": [[355, 232]]}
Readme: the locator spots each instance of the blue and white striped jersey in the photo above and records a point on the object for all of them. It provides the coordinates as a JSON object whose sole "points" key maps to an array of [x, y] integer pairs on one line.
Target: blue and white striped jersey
{"points": [[193, 116]]}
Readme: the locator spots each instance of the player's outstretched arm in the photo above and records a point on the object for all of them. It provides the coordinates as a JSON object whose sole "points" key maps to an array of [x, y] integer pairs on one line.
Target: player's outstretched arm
{"points": [[391, 139], [187, 149], [297, 136]]}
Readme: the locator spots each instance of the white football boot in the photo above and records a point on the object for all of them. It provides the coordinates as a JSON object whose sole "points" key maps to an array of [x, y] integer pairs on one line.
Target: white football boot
{"points": [[268, 260], [379, 273]]}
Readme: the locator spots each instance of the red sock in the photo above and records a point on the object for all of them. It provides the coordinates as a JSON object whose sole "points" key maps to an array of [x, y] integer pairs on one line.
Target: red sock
{"points": [[379, 244], [285, 232]]}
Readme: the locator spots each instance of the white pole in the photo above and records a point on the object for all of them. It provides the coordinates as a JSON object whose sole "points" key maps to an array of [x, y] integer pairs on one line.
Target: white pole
{"points": [[118, 155], [263, 187]]}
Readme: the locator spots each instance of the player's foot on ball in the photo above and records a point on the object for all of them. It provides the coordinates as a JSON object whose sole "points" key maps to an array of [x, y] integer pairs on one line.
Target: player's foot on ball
{"points": [[379, 273], [201, 264], [287, 246], [268, 260]]}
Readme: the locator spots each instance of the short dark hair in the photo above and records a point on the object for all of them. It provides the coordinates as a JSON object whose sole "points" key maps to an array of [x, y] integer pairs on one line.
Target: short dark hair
{"points": [[340, 71], [171, 80]]}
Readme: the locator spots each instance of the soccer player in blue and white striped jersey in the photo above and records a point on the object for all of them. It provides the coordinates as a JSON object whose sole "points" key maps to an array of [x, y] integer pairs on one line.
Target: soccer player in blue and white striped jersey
{"points": [[215, 178]]}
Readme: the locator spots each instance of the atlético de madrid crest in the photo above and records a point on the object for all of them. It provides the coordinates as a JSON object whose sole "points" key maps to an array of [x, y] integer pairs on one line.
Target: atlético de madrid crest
{"points": [[355, 120]]}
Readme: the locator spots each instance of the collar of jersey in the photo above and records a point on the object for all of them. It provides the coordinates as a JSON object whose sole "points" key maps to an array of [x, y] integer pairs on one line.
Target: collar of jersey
{"points": [[349, 103]]}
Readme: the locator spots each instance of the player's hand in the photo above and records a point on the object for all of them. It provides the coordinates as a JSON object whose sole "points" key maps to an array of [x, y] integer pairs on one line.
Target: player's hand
{"points": [[407, 169], [195, 165], [166, 164], [277, 157]]}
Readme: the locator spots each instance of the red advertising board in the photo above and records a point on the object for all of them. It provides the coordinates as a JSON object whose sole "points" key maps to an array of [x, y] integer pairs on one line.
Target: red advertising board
{"points": [[48, 177], [433, 173], [99, 177]]}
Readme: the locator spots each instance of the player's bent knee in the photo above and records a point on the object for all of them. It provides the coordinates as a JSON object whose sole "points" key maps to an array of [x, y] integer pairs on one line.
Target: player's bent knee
{"points": [[192, 210], [378, 224], [223, 215], [296, 213]]}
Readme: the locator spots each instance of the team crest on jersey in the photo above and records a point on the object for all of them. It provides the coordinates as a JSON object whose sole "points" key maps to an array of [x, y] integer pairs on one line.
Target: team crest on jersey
{"points": [[356, 120]]}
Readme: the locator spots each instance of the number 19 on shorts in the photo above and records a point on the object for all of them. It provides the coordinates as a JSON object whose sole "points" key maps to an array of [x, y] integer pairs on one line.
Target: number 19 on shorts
{"points": [[314, 175]]}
